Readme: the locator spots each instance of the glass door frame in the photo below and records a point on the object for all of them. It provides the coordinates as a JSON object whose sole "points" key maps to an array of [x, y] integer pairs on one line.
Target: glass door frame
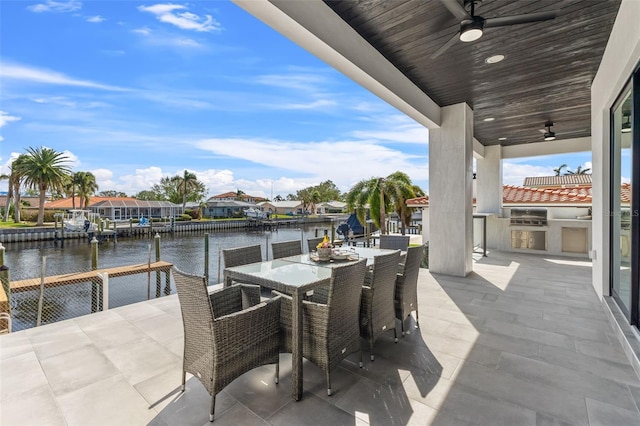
{"points": [[633, 313]]}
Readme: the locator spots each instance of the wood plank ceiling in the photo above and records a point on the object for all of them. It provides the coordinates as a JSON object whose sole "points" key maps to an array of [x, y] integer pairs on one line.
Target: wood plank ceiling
{"points": [[546, 74]]}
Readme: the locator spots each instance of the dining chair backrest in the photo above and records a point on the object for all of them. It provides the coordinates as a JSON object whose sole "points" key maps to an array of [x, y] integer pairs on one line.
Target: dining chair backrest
{"points": [[242, 255], [197, 318], [412, 264], [345, 289], [286, 248], [383, 283], [394, 242], [406, 297], [377, 309], [313, 243]]}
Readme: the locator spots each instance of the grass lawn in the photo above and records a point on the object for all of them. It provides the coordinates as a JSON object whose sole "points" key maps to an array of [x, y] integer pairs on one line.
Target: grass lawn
{"points": [[9, 225]]}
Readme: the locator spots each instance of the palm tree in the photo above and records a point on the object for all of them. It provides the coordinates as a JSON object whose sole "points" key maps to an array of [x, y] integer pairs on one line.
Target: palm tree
{"points": [[188, 182], [15, 180], [9, 196], [87, 186], [579, 171], [315, 199], [43, 169], [558, 170], [380, 194]]}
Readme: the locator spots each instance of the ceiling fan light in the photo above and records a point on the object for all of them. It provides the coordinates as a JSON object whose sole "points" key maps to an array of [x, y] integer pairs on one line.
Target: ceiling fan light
{"points": [[550, 136], [471, 30]]}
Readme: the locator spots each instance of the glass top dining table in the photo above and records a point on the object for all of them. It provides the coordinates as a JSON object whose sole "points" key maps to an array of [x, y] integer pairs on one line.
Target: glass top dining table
{"points": [[295, 276], [354, 254]]}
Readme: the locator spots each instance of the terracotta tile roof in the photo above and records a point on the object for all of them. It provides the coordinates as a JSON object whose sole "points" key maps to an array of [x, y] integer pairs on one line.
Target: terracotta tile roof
{"points": [[569, 196], [418, 202], [235, 195], [625, 193], [512, 194], [559, 181], [226, 195]]}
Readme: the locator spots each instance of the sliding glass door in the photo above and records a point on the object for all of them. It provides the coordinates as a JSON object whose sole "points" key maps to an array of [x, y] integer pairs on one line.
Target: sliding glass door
{"points": [[625, 178]]}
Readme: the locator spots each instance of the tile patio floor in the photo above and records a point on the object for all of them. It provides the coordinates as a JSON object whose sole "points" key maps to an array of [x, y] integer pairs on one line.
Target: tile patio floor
{"points": [[523, 340]]}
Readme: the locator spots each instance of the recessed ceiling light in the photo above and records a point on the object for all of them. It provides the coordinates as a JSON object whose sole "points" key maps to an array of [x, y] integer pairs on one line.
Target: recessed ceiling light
{"points": [[494, 59], [489, 119], [502, 139]]}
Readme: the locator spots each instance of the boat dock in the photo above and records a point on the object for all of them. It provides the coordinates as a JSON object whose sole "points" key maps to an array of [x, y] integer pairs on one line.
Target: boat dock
{"points": [[94, 276]]}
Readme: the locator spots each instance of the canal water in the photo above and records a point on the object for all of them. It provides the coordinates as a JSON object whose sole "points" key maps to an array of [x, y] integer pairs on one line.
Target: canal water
{"points": [[185, 250]]}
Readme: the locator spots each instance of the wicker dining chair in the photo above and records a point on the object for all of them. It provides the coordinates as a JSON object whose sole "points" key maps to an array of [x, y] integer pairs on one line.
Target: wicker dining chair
{"points": [[330, 330], [313, 243], [286, 248], [394, 242], [377, 311], [226, 333], [241, 256], [406, 297]]}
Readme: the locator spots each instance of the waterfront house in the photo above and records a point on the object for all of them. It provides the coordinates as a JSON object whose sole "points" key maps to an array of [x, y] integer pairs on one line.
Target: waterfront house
{"points": [[331, 207], [282, 207], [121, 208], [235, 196], [226, 208]]}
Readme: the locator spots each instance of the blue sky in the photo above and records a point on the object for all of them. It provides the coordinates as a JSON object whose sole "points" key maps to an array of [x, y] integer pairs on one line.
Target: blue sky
{"points": [[133, 91]]}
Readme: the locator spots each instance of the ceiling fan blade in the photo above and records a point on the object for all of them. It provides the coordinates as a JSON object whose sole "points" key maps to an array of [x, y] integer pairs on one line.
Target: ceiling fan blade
{"points": [[519, 19], [447, 45], [456, 9]]}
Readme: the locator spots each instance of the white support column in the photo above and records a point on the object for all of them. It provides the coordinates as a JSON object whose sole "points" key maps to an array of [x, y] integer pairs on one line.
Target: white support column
{"points": [[450, 192], [489, 180]]}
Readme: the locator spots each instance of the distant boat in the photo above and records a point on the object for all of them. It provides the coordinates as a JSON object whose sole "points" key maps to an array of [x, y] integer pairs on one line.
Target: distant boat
{"points": [[81, 221], [254, 213]]}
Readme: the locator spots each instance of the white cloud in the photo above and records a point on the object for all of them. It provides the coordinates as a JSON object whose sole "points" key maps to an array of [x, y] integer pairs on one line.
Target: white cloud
{"points": [[166, 40], [216, 180], [342, 161], [416, 134], [319, 104], [95, 19], [72, 160], [56, 100], [142, 179], [35, 75], [145, 31], [294, 81], [172, 14], [56, 6], [5, 118], [514, 173]]}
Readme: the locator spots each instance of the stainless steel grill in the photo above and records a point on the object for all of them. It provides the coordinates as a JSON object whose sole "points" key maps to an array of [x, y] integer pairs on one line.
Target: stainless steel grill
{"points": [[529, 217]]}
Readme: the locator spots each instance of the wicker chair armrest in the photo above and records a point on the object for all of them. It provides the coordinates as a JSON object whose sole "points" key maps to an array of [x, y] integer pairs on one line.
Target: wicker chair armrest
{"points": [[237, 332], [288, 299], [251, 311], [235, 298], [250, 295]]}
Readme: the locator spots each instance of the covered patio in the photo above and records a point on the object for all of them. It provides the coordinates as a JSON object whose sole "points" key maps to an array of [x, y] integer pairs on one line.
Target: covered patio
{"points": [[523, 340]]}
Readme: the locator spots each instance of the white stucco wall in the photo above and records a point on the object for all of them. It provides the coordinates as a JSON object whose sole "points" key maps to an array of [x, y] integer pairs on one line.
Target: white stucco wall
{"points": [[620, 58]]}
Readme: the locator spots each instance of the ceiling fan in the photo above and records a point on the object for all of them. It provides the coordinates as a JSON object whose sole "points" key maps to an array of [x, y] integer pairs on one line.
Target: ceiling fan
{"points": [[472, 25], [550, 135]]}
